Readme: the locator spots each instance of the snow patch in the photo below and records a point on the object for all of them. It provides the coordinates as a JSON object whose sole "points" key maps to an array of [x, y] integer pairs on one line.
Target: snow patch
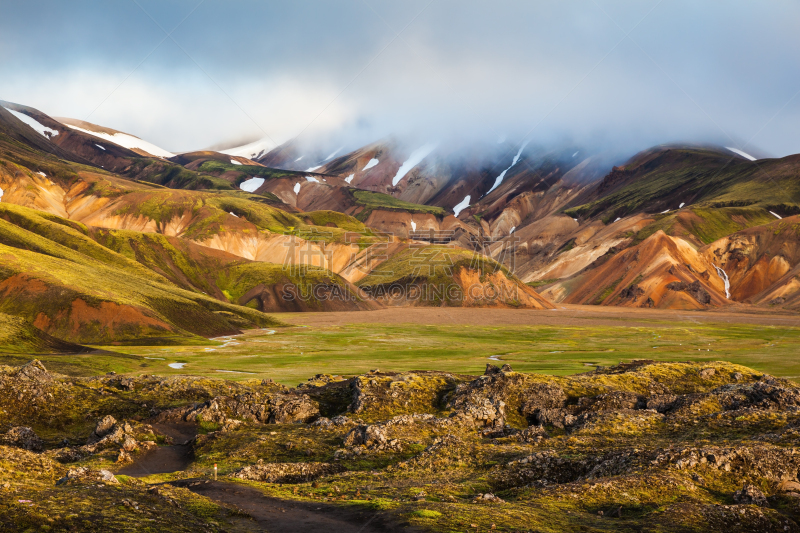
{"points": [[665, 212], [2, 192], [99, 146], [41, 129], [333, 154], [776, 215], [743, 154], [413, 224], [127, 141], [502, 175], [312, 169], [251, 151], [721, 273], [682, 204], [349, 179], [42, 174], [232, 213], [512, 230], [413, 160], [462, 205], [372, 163], [618, 219], [252, 184], [297, 188], [312, 178], [235, 162], [176, 365]]}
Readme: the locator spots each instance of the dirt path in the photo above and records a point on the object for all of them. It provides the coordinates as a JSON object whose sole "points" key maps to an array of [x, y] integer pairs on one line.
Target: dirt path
{"points": [[275, 515], [165, 459]]}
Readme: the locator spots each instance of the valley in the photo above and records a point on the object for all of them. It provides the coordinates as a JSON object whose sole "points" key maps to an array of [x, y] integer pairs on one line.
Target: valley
{"points": [[396, 337]]}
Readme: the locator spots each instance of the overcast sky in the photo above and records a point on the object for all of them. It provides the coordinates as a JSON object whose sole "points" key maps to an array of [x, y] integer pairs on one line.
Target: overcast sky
{"points": [[631, 72]]}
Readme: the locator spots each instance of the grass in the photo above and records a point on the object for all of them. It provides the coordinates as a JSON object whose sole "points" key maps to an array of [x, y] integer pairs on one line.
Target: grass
{"points": [[375, 200], [66, 284], [541, 282], [435, 263], [291, 354], [706, 224]]}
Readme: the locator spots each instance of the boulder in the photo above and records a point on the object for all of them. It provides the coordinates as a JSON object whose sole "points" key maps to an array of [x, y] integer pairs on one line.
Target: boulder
{"points": [[86, 474], [22, 437], [372, 437], [707, 373], [103, 428], [286, 409], [34, 371], [750, 495], [286, 472], [542, 396]]}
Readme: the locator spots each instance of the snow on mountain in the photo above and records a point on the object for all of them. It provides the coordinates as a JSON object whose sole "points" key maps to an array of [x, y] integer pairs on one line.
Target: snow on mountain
{"points": [[253, 150], [312, 178], [252, 184], [312, 169], [349, 179], [502, 175], [461, 205], [372, 163], [413, 160], [741, 153], [235, 162], [127, 141], [297, 188], [333, 154], [99, 146], [41, 129]]}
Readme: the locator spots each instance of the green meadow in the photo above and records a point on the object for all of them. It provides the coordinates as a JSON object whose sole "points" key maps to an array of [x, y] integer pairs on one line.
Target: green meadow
{"points": [[292, 354]]}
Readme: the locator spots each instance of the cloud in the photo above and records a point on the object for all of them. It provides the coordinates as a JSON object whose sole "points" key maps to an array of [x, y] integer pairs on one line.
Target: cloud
{"points": [[365, 69]]}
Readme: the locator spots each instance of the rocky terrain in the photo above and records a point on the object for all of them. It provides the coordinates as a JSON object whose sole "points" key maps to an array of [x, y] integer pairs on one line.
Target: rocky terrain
{"points": [[640, 446]]}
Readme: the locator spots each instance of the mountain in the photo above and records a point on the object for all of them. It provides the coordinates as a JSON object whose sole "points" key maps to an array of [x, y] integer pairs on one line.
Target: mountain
{"points": [[666, 178], [63, 282], [125, 140], [761, 263], [660, 272], [100, 244], [578, 224]]}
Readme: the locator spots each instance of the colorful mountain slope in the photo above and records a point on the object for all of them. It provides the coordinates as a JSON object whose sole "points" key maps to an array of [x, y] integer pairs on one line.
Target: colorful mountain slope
{"points": [[666, 178], [663, 272], [762, 263]]}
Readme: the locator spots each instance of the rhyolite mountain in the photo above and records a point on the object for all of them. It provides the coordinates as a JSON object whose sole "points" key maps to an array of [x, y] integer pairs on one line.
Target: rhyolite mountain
{"points": [[674, 226]]}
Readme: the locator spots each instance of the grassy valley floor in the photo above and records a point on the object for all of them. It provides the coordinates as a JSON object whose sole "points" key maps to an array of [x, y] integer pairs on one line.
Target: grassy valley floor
{"points": [[569, 340]]}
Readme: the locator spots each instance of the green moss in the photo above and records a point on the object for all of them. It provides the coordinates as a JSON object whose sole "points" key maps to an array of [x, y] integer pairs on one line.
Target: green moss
{"points": [[606, 292], [427, 513], [371, 200]]}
